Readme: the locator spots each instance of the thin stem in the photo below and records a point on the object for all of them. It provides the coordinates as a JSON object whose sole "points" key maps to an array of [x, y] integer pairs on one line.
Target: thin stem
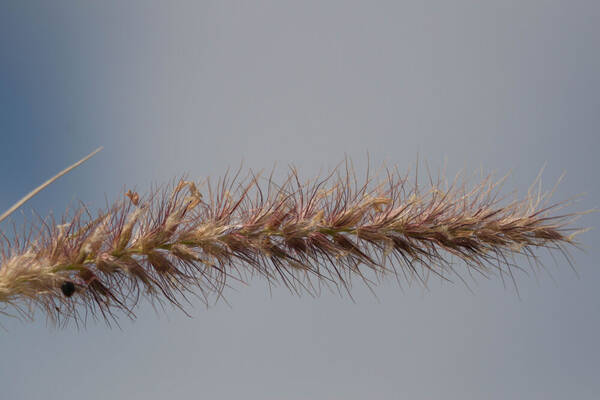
{"points": [[46, 184]]}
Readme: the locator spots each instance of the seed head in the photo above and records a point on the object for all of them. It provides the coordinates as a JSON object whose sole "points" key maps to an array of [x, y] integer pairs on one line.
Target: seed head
{"points": [[325, 233]]}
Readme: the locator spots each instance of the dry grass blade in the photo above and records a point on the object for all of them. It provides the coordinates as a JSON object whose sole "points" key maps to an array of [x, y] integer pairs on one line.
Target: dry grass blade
{"points": [[325, 233], [44, 185]]}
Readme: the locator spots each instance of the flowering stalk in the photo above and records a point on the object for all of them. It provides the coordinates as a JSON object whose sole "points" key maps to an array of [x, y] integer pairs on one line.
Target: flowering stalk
{"points": [[178, 241]]}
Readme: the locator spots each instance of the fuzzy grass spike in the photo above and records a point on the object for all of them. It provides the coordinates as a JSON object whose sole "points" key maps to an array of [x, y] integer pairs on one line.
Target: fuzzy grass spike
{"points": [[326, 233]]}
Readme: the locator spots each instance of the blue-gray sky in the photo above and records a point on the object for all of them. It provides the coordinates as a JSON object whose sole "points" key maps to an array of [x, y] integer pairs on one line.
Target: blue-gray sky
{"points": [[175, 87]]}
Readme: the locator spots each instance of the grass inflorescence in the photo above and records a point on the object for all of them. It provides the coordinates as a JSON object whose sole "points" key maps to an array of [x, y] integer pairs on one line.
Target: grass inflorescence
{"points": [[324, 233]]}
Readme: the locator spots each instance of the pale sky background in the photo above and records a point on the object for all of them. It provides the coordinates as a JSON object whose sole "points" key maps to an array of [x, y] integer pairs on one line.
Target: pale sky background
{"points": [[191, 86]]}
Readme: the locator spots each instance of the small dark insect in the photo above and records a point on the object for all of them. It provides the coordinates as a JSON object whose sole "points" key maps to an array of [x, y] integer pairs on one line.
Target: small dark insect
{"points": [[68, 288]]}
